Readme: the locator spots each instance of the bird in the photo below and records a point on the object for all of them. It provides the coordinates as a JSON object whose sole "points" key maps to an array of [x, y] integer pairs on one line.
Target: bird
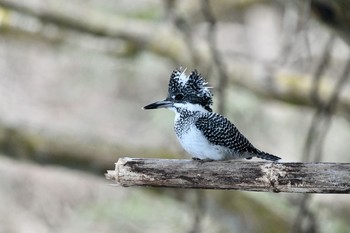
{"points": [[204, 134]]}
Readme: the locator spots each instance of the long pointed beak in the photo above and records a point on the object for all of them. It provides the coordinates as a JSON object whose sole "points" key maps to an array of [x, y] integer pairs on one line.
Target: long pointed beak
{"points": [[159, 104]]}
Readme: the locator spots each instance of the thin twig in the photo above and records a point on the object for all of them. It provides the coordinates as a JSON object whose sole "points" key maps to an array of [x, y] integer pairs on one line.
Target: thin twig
{"points": [[319, 128], [305, 216], [217, 58], [305, 15], [330, 108], [322, 117], [198, 210], [289, 32], [320, 69], [315, 97], [185, 30]]}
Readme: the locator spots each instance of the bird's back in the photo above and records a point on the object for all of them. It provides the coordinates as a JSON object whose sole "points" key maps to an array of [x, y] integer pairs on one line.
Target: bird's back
{"points": [[222, 133]]}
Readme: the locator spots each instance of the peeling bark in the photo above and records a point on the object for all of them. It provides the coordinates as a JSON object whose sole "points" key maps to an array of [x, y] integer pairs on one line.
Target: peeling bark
{"points": [[237, 175]]}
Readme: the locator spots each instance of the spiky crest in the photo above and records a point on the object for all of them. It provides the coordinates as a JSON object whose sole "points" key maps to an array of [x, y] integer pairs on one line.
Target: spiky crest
{"points": [[193, 87]]}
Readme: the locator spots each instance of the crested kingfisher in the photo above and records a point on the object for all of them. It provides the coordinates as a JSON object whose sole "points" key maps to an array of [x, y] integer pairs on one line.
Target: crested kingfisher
{"points": [[204, 134]]}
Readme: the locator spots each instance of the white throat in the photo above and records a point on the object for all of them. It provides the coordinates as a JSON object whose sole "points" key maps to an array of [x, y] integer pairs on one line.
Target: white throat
{"points": [[189, 107]]}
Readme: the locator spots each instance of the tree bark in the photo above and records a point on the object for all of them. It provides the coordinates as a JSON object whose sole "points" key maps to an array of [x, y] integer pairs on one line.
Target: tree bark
{"points": [[237, 175]]}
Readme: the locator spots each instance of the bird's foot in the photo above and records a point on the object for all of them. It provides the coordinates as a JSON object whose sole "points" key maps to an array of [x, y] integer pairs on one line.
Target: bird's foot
{"points": [[202, 160]]}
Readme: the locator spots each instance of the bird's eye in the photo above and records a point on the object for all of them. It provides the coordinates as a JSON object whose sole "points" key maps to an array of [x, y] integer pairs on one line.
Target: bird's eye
{"points": [[179, 97]]}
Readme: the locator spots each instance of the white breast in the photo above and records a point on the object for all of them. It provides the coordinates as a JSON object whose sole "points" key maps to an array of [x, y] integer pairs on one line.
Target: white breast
{"points": [[194, 142]]}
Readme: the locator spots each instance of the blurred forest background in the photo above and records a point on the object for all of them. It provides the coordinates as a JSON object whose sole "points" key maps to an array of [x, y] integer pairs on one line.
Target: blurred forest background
{"points": [[75, 74]]}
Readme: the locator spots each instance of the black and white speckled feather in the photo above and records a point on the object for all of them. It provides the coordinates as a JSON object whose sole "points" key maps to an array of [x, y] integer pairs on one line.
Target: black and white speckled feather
{"points": [[221, 132]]}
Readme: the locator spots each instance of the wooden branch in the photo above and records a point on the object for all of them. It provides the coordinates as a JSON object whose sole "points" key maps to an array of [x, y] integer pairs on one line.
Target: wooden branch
{"points": [[238, 175]]}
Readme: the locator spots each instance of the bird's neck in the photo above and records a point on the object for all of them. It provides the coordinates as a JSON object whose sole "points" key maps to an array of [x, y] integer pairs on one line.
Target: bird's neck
{"points": [[188, 108], [188, 114]]}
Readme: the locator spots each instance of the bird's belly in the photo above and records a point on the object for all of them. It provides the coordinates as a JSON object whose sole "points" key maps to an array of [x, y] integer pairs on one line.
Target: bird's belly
{"points": [[195, 143]]}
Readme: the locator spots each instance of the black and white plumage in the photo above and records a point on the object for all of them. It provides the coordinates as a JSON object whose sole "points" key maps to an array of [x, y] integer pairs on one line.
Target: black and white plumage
{"points": [[202, 133]]}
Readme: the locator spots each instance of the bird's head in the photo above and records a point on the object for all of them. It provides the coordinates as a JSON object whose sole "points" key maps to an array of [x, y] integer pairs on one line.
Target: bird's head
{"points": [[185, 92]]}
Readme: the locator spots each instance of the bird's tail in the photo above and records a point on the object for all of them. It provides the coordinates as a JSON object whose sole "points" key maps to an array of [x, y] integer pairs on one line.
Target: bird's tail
{"points": [[263, 155]]}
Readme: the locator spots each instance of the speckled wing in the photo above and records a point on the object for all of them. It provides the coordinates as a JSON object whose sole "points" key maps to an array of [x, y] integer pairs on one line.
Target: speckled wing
{"points": [[220, 131]]}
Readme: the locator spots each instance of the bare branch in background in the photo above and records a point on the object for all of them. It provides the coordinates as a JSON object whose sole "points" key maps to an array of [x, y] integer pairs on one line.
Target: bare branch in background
{"points": [[169, 6], [305, 220], [322, 118], [199, 207], [290, 87], [217, 58], [315, 97], [289, 31], [318, 129], [303, 24], [320, 69], [138, 33], [329, 109], [183, 26], [335, 15]]}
